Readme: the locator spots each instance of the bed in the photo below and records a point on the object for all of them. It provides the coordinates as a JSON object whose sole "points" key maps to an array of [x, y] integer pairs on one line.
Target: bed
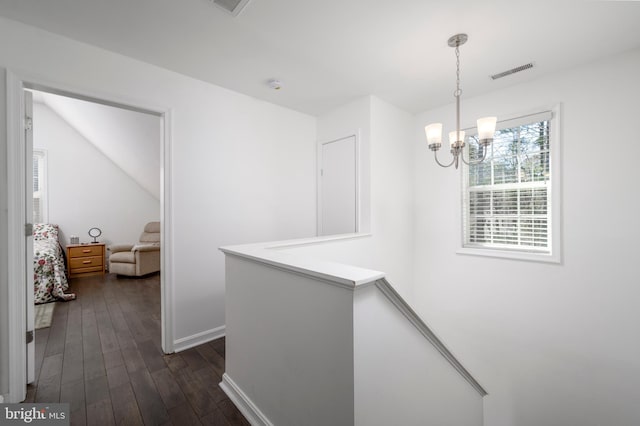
{"points": [[49, 278]]}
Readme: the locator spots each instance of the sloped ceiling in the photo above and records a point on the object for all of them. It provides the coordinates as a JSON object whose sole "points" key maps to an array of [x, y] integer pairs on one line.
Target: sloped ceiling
{"points": [[131, 140], [329, 52]]}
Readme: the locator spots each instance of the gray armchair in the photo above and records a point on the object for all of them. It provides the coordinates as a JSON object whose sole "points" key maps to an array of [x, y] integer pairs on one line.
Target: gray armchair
{"points": [[137, 259]]}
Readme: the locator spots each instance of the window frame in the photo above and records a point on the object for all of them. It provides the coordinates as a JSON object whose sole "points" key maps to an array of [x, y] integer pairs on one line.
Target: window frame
{"points": [[554, 254], [43, 178]]}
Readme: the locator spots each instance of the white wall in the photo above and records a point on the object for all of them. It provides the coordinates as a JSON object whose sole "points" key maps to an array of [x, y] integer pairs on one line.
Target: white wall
{"points": [[86, 189], [242, 169], [386, 135], [290, 344], [130, 139], [400, 377], [553, 344], [392, 191]]}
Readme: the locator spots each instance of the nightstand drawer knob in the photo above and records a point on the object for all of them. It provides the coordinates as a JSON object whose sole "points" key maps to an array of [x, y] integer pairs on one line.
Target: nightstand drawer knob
{"points": [[86, 251], [86, 262]]}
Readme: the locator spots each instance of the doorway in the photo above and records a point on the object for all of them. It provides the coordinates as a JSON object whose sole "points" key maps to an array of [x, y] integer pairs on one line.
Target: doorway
{"points": [[338, 188], [20, 180]]}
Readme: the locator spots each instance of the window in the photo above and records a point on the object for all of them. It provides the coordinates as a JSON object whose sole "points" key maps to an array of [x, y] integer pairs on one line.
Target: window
{"points": [[508, 208], [39, 186]]}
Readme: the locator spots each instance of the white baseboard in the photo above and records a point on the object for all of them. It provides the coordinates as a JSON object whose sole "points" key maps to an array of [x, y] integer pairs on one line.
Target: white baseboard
{"points": [[198, 338], [243, 403]]}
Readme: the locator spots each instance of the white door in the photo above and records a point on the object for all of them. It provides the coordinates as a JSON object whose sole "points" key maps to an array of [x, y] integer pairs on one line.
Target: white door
{"points": [[28, 138], [339, 187]]}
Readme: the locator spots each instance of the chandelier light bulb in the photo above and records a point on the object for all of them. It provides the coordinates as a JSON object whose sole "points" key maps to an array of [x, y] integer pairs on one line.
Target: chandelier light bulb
{"points": [[453, 137], [486, 127], [434, 133]]}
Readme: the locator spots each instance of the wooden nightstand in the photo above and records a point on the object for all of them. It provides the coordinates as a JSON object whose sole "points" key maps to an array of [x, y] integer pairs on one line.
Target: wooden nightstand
{"points": [[85, 260]]}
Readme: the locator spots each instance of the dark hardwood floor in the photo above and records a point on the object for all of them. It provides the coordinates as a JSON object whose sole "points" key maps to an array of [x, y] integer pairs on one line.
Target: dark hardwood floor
{"points": [[102, 355]]}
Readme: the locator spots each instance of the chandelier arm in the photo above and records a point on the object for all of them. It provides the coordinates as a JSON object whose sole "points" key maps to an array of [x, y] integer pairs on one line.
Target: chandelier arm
{"points": [[474, 162], [435, 154]]}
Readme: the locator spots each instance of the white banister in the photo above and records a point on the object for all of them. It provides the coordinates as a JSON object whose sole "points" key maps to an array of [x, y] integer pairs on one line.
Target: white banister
{"points": [[312, 341]]}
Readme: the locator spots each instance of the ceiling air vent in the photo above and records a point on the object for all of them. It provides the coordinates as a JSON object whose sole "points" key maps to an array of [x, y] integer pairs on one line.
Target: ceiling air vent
{"points": [[512, 71], [233, 7]]}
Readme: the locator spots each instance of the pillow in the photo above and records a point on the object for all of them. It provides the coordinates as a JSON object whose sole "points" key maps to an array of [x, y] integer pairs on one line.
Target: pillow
{"points": [[45, 231]]}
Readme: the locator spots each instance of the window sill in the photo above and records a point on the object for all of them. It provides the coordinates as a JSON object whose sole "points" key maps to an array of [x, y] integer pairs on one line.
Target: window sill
{"points": [[513, 255]]}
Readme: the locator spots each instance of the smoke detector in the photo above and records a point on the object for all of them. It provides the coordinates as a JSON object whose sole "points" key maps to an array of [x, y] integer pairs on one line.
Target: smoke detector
{"points": [[275, 84], [233, 7]]}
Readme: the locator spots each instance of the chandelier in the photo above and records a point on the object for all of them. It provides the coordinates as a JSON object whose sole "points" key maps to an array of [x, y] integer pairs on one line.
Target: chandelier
{"points": [[486, 125]]}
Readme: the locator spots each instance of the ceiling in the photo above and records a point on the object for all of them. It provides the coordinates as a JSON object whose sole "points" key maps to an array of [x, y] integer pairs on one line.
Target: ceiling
{"points": [[329, 52], [129, 139]]}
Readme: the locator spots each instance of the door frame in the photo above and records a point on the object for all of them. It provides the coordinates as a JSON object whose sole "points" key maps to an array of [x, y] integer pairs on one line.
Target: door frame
{"points": [[356, 136], [16, 82]]}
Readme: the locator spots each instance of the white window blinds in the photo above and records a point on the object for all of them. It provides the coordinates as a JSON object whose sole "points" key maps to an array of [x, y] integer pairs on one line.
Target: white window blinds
{"points": [[39, 187], [507, 197]]}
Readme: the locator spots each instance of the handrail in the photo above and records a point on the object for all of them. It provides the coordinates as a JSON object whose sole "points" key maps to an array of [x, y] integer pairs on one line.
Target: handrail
{"points": [[274, 254], [387, 289]]}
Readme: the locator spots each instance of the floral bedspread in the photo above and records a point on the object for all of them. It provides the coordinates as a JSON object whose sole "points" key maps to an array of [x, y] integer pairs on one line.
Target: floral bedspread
{"points": [[49, 278]]}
